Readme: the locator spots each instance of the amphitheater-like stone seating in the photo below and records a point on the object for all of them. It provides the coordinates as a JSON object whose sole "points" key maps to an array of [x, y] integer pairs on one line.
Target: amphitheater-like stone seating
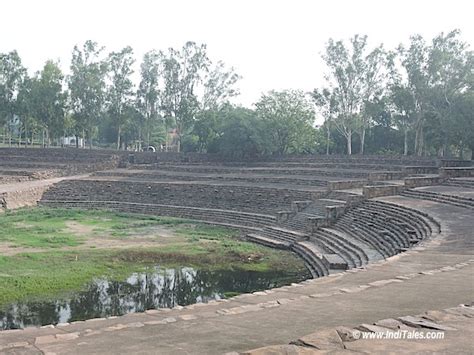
{"points": [[228, 197], [38, 163], [280, 203], [460, 182]]}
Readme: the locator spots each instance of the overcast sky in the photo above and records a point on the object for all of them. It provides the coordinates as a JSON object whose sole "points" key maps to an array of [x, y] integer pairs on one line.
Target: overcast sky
{"points": [[273, 44]]}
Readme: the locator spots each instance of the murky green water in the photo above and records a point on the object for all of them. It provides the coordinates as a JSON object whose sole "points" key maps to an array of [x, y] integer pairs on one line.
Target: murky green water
{"points": [[157, 288]]}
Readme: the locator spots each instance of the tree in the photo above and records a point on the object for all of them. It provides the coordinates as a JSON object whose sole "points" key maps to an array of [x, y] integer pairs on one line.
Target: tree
{"points": [[48, 101], [450, 68], [414, 61], [240, 135], [120, 91], [463, 121], [25, 110], [182, 72], [12, 74], [404, 107], [148, 94], [325, 102], [87, 88], [354, 78], [219, 87], [289, 117]]}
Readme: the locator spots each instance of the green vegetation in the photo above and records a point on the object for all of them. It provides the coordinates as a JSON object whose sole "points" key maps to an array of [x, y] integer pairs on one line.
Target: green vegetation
{"points": [[47, 228], [55, 259], [416, 98]]}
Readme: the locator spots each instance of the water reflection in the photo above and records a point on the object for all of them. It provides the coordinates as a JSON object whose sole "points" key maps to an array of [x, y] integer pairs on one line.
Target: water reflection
{"points": [[156, 288]]}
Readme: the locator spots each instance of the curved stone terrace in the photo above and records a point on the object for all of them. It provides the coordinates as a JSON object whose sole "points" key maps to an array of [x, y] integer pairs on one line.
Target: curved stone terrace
{"points": [[361, 248], [441, 266]]}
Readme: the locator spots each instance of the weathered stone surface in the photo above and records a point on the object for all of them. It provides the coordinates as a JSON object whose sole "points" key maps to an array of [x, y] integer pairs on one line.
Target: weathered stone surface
{"points": [[348, 334], [46, 339], [67, 336], [371, 328], [322, 340], [282, 350], [188, 317], [389, 323], [419, 322]]}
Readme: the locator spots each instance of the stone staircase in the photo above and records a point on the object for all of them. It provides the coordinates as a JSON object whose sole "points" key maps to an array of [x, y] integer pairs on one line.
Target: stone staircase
{"points": [[466, 183], [453, 200]]}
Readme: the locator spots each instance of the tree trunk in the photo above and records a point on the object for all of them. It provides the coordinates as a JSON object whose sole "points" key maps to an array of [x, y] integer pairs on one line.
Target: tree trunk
{"points": [[119, 131], [362, 141], [419, 140], [349, 143], [139, 138], [327, 141], [405, 142]]}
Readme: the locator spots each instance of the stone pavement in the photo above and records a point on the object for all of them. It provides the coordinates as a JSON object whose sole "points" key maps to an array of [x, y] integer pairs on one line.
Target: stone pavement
{"points": [[437, 274], [449, 331]]}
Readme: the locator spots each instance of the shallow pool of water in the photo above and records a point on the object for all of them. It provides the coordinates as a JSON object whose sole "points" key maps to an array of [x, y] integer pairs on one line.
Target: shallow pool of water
{"points": [[156, 288]]}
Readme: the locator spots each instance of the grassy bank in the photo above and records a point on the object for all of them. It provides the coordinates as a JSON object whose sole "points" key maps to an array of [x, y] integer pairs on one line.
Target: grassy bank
{"points": [[56, 258]]}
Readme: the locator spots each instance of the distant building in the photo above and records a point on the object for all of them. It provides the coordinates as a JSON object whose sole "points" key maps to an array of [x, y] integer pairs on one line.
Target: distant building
{"points": [[71, 141]]}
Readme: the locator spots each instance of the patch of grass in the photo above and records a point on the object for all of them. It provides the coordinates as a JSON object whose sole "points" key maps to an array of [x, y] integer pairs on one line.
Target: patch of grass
{"points": [[54, 271], [47, 227]]}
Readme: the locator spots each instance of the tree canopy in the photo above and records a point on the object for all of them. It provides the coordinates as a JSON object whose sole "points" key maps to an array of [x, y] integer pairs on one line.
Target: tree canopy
{"points": [[416, 98]]}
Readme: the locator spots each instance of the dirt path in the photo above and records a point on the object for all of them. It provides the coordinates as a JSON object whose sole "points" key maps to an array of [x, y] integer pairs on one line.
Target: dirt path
{"points": [[26, 185]]}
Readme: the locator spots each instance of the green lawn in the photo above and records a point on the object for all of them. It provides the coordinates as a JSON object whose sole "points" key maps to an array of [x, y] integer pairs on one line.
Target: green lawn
{"points": [[58, 264]]}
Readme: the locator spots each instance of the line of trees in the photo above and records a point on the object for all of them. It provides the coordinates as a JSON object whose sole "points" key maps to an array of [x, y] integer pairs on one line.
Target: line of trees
{"points": [[99, 102], [415, 99], [423, 91]]}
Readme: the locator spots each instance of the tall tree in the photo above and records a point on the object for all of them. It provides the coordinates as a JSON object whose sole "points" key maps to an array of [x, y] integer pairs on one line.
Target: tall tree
{"points": [[326, 103], [183, 71], [120, 91], [289, 116], [48, 101], [12, 74], [354, 79], [450, 68], [148, 94], [414, 61], [87, 88], [219, 87]]}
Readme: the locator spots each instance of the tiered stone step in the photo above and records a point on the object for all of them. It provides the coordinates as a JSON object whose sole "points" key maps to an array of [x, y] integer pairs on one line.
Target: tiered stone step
{"points": [[281, 238], [460, 182], [375, 220], [364, 234], [283, 234], [243, 219], [384, 228], [350, 250], [312, 257], [268, 242], [423, 222], [441, 198], [252, 199], [153, 175]]}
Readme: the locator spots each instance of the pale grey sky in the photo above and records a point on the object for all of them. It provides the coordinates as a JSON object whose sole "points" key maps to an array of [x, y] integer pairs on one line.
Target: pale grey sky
{"points": [[273, 44]]}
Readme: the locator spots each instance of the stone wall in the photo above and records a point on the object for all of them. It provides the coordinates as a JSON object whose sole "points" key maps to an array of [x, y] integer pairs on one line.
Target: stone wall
{"points": [[22, 197], [423, 181], [457, 172], [242, 198], [382, 190], [39, 163], [454, 163]]}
